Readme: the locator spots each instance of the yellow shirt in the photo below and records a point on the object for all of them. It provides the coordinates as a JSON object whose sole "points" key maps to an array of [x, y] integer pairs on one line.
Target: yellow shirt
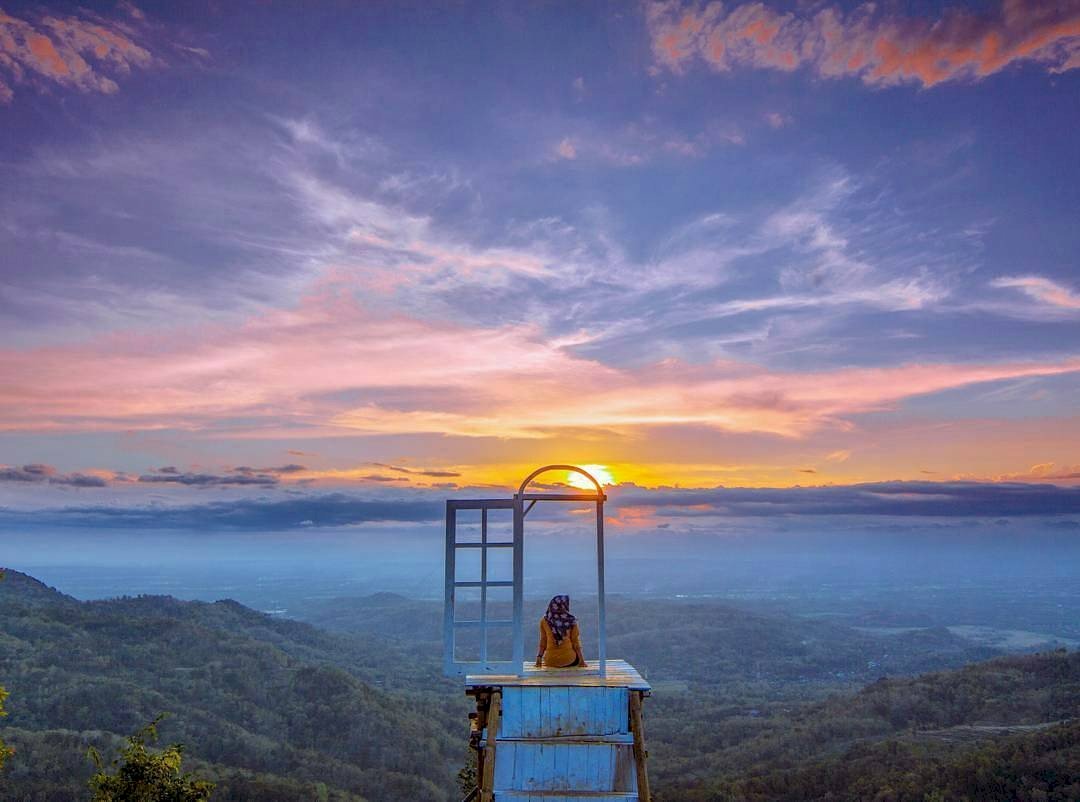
{"points": [[559, 655]]}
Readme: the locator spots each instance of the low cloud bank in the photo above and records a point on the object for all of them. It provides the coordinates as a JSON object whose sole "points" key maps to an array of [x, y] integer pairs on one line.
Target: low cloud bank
{"points": [[951, 499], [629, 504], [332, 509]]}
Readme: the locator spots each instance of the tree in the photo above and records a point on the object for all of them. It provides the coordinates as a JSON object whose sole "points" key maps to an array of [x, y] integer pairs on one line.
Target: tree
{"points": [[4, 750], [468, 775], [143, 775]]}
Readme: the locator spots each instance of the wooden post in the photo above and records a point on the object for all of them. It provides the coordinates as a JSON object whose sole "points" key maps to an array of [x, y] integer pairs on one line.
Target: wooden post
{"points": [[487, 778], [640, 754]]}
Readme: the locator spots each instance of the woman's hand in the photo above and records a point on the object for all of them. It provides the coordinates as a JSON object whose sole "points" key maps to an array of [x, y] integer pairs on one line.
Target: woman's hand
{"points": [[583, 664], [539, 660]]}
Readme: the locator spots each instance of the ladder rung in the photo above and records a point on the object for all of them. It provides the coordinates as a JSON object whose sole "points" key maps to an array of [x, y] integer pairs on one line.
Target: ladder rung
{"points": [[491, 622], [498, 544], [507, 584]]}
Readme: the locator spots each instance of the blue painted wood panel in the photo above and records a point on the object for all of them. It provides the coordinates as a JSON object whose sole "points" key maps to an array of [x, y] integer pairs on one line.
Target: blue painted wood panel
{"points": [[548, 712], [564, 766], [524, 796]]}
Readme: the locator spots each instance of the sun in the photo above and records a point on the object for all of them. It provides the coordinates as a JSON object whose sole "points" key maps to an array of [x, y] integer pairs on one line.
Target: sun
{"points": [[601, 472]]}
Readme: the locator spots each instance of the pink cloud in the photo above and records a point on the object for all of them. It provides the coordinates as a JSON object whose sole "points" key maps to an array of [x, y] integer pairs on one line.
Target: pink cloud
{"points": [[777, 120], [642, 143], [1041, 289], [74, 52], [330, 365], [879, 48]]}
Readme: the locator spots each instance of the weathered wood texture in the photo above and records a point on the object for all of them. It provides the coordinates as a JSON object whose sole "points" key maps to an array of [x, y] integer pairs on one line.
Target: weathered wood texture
{"points": [[487, 782], [525, 796], [620, 674], [547, 712], [562, 734], [573, 767], [637, 727]]}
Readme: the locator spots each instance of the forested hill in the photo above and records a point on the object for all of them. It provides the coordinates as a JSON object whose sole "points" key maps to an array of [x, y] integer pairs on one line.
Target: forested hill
{"points": [[275, 706], [1006, 730], [709, 643], [747, 706]]}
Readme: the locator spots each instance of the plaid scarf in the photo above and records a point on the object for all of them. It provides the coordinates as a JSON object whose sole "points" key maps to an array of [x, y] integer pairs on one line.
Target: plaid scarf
{"points": [[559, 617]]}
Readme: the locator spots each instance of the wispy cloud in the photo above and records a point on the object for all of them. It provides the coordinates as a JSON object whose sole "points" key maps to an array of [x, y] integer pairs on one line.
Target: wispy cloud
{"points": [[1046, 291], [86, 53], [777, 119], [502, 336], [336, 364], [640, 143], [439, 474], [1045, 472], [566, 149], [869, 43]]}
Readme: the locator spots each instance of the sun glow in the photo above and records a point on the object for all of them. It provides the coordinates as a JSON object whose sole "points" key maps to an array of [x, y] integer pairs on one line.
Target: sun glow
{"points": [[601, 472]]}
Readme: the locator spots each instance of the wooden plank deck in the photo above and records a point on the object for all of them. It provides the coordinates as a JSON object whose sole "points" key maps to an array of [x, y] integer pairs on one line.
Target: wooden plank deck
{"points": [[620, 674]]}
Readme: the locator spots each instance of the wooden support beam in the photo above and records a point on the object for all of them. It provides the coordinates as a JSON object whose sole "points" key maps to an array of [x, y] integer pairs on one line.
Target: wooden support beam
{"points": [[487, 776], [637, 726]]}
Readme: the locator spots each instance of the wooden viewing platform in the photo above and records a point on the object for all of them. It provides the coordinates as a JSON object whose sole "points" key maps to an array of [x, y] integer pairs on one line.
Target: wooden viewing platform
{"points": [[560, 734]]}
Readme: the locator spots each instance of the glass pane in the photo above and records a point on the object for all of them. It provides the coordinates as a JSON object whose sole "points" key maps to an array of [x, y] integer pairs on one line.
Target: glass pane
{"points": [[467, 643], [467, 526], [466, 565], [500, 526], [500, 565], [500, 606], [466, 604]]}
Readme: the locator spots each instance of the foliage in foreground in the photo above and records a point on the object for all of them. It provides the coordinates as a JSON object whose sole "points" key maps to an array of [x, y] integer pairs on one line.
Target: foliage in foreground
{"points": [[143, 775], [4, 750]]}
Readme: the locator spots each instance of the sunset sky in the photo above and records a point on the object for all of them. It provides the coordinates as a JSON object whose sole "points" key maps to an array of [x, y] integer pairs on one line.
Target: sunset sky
{"points": [[255, 255]]}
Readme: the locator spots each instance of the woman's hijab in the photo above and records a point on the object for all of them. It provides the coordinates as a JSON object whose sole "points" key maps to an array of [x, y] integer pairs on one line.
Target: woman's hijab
{"points": [[559, 617]]}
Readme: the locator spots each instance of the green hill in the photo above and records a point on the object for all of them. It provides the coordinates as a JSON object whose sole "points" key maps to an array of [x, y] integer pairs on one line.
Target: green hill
{"points": [[710, 644], [749, 706], [271, 703], [1002, 730]]}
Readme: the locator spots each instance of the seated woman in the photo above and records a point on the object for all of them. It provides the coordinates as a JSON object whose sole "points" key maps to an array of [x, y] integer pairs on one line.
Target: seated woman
{"points": [[560, 641]]}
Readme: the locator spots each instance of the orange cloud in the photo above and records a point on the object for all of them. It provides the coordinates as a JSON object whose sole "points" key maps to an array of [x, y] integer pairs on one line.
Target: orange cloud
{"points": [[866, 43], [72, 52]]}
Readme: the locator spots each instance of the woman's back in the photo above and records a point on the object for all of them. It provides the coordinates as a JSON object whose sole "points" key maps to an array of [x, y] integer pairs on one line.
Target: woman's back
{"points": [[560, 639]]}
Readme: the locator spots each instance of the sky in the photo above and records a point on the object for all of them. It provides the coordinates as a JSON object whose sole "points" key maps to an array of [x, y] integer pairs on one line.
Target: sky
{"points": [[283, 265]]}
